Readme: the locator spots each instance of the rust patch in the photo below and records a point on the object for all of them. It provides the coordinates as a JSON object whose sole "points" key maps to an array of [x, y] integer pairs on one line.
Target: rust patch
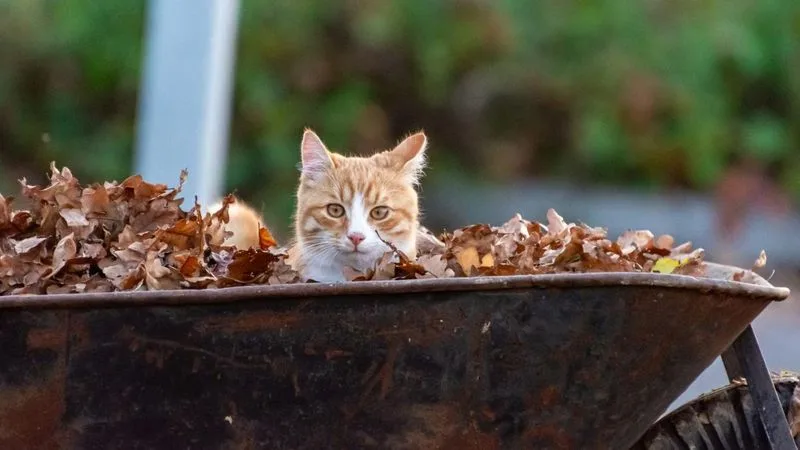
{"points": [[79, 337], [250, 321], [31, 414], [310, 349], [46, 338], [385, 375], [548, 436], [488, 414], [336, 353], [375, 376], [443, 427], [471, 438], [550, 396]]}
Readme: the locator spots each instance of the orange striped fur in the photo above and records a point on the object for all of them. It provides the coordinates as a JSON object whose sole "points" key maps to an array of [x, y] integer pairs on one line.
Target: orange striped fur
{"points": [[346, 207]]}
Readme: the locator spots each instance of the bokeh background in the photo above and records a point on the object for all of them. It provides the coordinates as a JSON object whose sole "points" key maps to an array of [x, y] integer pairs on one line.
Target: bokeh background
{"points": [[680, 116]]}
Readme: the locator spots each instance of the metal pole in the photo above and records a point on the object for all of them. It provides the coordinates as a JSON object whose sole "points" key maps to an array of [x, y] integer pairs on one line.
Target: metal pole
{"points": [[185, 98]]}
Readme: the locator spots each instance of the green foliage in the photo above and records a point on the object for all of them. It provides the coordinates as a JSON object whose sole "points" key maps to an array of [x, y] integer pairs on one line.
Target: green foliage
{"points": [[69, 73], [642, 93]]}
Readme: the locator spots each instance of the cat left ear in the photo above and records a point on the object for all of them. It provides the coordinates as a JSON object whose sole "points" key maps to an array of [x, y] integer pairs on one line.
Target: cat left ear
{"points": [[410, 154], [314, 156]]}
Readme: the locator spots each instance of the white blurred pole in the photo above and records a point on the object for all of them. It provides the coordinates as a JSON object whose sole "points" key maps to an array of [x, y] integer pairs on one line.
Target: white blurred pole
{"points": [[185, 97]]}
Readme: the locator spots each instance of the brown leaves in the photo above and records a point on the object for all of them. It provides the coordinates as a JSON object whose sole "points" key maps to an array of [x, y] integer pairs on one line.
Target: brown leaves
{"points": [[521, 247], [122, 236], [134, 235]]}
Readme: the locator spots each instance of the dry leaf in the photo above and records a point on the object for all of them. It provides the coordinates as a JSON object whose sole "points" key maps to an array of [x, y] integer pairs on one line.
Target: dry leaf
{"points": [[665, 241], [761, 261], [666, 265], [427, 243], [93, 250], [555, 223], [633, 240], [265, 239], [190, 267], [487, 260], [435, 266], [249, 265], [157, 276], [468, 259], [64, 251], [74, 217], [26, 245], [95, 200]]}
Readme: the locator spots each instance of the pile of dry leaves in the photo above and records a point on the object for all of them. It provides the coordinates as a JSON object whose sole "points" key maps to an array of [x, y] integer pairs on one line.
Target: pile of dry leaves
{"points": [[134, 235], [122, 236], [521, 247]]}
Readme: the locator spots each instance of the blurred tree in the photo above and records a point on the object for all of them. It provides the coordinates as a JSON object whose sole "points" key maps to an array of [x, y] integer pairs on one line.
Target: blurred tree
{"points": [[68, 82], [650, 94]]}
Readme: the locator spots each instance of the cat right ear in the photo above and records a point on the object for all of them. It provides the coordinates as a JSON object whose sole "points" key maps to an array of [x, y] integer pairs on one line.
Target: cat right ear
{"points": [[314, 155], [410, 155]]}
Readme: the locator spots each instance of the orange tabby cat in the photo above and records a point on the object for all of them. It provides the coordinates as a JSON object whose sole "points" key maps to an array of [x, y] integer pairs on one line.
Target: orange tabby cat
{"points": [[346, 208]]}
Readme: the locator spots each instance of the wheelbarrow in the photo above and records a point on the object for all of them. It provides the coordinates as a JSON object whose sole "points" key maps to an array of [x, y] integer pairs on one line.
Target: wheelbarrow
{"points": [[563, 361]]}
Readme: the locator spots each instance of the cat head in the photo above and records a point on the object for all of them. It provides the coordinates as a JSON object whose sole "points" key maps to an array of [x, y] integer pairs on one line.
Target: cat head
{"points": [[347, 205]]}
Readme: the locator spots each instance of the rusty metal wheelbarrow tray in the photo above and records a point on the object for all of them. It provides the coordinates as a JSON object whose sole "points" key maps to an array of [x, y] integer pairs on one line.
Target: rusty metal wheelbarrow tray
{"points": [[548, 361]]}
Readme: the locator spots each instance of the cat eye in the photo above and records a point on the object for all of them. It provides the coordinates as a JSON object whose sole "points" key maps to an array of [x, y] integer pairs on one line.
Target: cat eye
{"points": [[379, 212], [335, 210]]}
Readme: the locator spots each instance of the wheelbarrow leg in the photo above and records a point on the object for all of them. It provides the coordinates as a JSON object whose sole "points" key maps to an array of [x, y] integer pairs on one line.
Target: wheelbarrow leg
{"points": [[743, 359]]}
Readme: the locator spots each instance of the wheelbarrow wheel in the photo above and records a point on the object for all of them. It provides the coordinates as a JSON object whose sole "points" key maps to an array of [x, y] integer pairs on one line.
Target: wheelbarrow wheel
{"points": [[722, 419]]}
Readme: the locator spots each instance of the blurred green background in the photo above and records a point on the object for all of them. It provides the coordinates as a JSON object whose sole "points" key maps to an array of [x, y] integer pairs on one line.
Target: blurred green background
{"points": [[651, 94]]}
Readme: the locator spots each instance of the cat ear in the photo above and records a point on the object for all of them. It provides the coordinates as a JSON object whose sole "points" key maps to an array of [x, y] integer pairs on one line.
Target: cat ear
{"points": [[410, 155], [314, 155]]}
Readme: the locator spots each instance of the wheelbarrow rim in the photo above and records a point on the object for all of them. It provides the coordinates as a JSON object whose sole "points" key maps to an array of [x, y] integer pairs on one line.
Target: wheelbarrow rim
{"points": [[758, 289]]}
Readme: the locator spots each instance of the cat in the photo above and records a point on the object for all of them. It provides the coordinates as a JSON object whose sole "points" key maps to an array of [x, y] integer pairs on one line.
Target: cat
{"points": [[348, 208]]}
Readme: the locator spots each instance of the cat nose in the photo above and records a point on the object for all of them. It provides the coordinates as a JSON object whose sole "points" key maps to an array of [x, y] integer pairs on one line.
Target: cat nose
{"points": [[356, 238]]}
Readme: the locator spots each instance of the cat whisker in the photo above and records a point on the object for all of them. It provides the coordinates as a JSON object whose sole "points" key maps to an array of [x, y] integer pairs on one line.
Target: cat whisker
{"points": [[320, 252]]}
